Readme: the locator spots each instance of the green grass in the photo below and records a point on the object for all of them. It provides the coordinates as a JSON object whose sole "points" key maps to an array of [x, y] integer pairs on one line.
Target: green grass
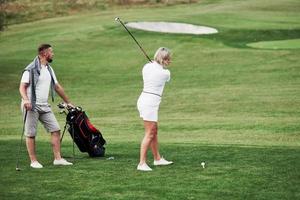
{"points": [[232, 106], [281, 44], [232, 172]]}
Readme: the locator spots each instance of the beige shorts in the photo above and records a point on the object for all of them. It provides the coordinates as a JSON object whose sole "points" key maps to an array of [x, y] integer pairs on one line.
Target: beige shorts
{"points": [[44, 114]]}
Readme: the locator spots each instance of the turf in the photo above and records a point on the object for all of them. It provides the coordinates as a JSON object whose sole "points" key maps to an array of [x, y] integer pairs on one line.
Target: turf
{"points": [[277, 44], [230, 105]]}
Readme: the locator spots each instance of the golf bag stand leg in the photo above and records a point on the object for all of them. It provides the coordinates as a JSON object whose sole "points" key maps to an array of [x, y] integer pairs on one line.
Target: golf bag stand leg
{"points": [[62, 136], [72, 128]]}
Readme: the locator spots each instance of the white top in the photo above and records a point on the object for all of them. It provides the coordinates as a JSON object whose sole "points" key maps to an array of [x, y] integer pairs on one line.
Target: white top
{"points": [[42, 86], [155, 77]]}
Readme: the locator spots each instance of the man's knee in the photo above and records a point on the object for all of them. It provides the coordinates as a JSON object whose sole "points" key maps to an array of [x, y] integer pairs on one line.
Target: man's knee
{"points": [[30, 141], [55, 138], [55, 133], [29, 137]]}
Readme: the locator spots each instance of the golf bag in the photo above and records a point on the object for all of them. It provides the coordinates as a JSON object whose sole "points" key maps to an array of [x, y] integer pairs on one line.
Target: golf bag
{"points": [[84, 134]]}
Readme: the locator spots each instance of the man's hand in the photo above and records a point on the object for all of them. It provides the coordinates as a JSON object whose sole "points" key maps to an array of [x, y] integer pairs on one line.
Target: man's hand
{"points": [[70, 105], [27, 104]]}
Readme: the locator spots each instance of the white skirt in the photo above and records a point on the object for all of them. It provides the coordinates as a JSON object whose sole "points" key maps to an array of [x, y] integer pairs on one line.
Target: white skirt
{"points": [[148, 105]]}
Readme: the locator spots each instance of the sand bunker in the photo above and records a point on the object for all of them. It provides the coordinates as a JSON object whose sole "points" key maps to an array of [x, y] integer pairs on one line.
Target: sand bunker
{"points": [[171, 27]]}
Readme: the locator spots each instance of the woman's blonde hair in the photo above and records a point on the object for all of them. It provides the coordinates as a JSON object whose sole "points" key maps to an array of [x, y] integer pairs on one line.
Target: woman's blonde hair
{"points": [[161, 55]]}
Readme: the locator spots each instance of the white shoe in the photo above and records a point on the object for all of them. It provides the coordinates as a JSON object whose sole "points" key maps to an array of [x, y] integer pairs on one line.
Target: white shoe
{"points": [[162, 161], [36, 165], [61, 162], [144, 167]]}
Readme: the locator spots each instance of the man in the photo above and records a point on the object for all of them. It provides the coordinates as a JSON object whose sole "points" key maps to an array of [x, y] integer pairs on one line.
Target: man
{"points": [[37, 79]]}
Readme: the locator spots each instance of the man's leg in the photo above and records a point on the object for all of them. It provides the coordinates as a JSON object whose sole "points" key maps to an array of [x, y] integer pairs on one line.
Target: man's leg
{"points": [[51, 125], [55, 142], [30, 133], [30, 143]]}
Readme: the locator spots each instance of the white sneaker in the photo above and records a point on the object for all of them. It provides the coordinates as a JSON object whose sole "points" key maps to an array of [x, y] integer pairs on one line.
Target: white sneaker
{"points": [[144, 167], [162, 161], [36, 165], [61, 162]]}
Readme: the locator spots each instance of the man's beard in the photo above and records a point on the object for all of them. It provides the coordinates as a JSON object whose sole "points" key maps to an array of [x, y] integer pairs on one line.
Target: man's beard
{"points": [[49, 60]]}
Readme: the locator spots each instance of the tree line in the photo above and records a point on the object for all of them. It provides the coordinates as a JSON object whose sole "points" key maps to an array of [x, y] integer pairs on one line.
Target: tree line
{"points": [[2, 14]]}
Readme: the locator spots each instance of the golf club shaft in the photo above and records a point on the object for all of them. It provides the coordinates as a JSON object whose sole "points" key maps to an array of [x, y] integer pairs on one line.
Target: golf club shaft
{"points": [[119, 20], [18, 156]]}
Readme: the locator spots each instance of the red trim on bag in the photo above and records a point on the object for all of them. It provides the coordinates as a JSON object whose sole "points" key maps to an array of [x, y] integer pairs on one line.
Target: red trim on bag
{"points": [[82, 133], [90, 126]]}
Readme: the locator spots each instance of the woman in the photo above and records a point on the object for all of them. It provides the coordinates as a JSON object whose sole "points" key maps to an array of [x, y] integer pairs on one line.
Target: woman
{"points": [[155, 75]]}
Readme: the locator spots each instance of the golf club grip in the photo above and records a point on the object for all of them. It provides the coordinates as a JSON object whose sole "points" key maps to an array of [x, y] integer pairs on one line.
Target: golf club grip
{"points": [[135, 40]]}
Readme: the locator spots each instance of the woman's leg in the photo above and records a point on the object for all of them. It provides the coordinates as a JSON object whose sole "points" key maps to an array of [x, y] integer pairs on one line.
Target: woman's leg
{"points": [[149, 135], [154, 143]]}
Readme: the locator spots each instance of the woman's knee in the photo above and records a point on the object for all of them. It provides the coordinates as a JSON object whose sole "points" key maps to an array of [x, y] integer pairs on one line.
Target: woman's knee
{"points": [[150, 135], [154, 129], [151, 130]]}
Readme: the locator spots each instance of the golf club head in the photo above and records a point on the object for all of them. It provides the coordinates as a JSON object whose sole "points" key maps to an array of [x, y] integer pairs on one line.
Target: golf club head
{"points": [[18, 169], [61, 105], [117, 19], [62, 111]]}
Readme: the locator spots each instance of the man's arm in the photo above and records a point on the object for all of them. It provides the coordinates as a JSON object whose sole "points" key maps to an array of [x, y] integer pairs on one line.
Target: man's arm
{"points": [[23, 92], [60, 91]]}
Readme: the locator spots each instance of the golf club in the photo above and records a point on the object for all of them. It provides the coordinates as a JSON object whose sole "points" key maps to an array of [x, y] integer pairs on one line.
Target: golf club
{"points": [[119, 20], [18, 156]]}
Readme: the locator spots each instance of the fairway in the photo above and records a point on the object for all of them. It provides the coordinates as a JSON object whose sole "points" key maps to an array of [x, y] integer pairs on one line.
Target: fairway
{"points": [[230, 105], [280, 44]]}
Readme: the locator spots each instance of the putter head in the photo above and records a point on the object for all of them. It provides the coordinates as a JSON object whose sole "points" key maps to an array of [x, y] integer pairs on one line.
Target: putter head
{"points": [[117, 19], [18, 169]]}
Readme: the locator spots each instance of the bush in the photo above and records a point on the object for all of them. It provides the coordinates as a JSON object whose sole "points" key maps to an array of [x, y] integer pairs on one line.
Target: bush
{"points": [[19, 11], [132, 2], [2, 15]]}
